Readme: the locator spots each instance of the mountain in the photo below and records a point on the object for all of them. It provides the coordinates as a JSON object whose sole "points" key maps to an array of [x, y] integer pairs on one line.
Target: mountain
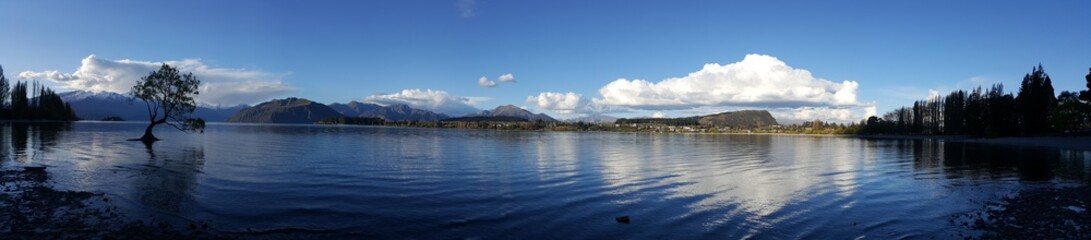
{"points": [[289, 110], [97, 106], [215, 113], [390, 113], [595, 118], [739, 119], [403, 113], [353, 108], [513, 111]]}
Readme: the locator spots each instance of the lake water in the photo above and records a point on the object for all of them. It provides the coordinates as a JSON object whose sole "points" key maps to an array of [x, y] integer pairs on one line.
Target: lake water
{"points": [[382, 182]]}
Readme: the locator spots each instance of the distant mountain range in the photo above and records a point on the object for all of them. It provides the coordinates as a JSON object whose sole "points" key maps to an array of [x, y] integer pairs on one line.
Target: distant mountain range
{"points": [[513, 111], [297, 110], [398, 112], [100, 105]]}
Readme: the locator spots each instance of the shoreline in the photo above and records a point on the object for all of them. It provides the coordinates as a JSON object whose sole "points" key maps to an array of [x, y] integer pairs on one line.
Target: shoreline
{"points": [[1081, 143], [1078, 143]]}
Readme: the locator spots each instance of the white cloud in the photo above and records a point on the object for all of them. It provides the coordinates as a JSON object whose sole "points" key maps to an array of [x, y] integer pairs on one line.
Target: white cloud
{"points": [[932, 94], [432, 100], [219, 86], [485, 82], [659, 115], [832, 114], [758, 80], [506, 78], [565, 103], [466, 8]]}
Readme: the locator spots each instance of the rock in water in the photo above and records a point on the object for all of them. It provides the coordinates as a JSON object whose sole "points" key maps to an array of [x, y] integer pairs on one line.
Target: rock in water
{"points": [[622, 219]]}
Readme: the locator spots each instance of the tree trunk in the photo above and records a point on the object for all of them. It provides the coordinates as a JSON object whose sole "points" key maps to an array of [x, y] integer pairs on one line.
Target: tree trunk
{"points": [[148, 136]]}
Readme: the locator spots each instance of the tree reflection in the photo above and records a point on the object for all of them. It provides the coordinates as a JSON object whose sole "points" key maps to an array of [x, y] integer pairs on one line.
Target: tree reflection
{"points": [[169, 177], [990, 161], [46, 134], [35, 137], [19, 133]]}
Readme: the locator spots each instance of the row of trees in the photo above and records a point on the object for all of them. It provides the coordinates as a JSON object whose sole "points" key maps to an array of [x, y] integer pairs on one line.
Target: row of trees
{"points": [[1035, 111], [41, 104], [687, 121]]}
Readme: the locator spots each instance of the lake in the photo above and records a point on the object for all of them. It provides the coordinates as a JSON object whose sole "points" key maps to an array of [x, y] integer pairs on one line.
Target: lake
{"points": [[271, 181]]}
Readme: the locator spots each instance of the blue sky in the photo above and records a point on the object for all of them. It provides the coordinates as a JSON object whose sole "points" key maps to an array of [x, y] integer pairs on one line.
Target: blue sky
{"points": [[894, 52]]}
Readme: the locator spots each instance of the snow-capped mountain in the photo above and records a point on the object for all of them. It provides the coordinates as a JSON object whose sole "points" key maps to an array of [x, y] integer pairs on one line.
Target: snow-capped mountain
{"points": [[85, 95], [100, 105]]}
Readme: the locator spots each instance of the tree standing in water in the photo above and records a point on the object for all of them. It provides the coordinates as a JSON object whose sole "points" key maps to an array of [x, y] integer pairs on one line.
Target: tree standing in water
{"points": [[169, 98]]}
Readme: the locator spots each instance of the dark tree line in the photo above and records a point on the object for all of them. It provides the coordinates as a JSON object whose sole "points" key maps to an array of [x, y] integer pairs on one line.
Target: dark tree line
{"points": [[36, 103], [1036, 103], [1035, 111]]}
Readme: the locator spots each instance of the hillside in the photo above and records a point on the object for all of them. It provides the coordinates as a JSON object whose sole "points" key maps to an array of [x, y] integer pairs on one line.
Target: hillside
{"points": [[739, 119], [289, 110], [745, 119]]}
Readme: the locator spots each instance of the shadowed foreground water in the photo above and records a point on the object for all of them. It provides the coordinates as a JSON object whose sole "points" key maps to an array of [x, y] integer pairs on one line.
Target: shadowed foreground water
{"points": [[271, 181]]}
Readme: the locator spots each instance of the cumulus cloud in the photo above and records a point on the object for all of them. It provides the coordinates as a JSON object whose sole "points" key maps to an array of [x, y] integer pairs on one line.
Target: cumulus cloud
{"points": [[843, 115], [485, 82], [219, 86], [506, 78], [432, 100], [757, 80], [465, 8], [659, 115], [565, 103]]}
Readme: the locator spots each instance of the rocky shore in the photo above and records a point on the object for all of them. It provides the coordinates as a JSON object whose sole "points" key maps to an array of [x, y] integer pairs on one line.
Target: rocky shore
{"points": [[1047, 213], [31, 209]]}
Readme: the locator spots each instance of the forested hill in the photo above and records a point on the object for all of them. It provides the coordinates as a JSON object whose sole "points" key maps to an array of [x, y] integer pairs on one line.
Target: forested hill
{"points": [[739, 120]]}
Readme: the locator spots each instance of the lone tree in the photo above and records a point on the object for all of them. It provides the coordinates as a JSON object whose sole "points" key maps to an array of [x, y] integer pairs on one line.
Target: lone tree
{"points": [[169, 98]]}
